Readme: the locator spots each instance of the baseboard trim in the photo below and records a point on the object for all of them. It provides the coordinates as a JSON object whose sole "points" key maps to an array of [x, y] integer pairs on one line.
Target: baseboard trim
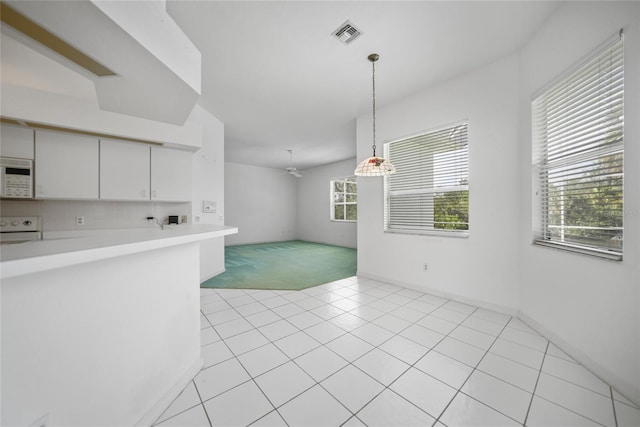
{"points": [[212, 275], [471, 301], [622, 386], [159, 407]]}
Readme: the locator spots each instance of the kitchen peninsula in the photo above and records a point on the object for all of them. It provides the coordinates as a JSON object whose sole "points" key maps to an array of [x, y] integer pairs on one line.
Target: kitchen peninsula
{"points": [[102, 329]]}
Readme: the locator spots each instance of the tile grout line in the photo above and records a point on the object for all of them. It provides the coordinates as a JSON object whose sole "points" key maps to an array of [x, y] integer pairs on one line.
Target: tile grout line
{"points": [[157, 422], [206, 413], [535, 387], [471, 373], [613, 404], [388, 387], [187, 386], [385, 387], [318, 383], [444, 302], [349, 363], [294, 361], [467, 379], [410, 323], [252, 378], [193, 379], [579, 385]]}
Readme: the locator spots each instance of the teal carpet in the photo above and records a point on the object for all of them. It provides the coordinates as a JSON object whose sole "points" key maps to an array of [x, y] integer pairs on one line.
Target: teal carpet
{"points": [[291, 265]]}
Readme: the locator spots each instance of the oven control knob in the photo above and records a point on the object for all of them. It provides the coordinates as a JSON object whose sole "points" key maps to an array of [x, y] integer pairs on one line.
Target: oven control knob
{"points": [[15, 223], [27, 222], [3, 223]]}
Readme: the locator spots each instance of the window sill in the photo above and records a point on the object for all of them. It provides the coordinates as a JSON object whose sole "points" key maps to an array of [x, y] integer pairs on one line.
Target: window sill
{"points": [[433, 233], [344, 220], [599, 253]]}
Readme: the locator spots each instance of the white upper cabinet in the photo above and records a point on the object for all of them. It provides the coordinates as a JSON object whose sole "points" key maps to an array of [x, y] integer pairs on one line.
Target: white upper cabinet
{"points": [[66, 166], [72, 166], [124, 170], [16, 141], [170, 175]]}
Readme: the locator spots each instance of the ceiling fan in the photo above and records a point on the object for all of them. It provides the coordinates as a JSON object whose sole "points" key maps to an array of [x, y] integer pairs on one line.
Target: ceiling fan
{"points": [[291, 170]]}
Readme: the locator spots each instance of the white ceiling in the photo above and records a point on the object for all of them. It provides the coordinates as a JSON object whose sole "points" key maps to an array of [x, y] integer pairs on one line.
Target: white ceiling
{"points": [[278, 79], [272, 72]]}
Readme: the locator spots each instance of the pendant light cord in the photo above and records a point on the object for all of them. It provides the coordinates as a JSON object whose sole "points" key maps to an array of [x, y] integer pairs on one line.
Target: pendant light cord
{"points": [[373, 64]]}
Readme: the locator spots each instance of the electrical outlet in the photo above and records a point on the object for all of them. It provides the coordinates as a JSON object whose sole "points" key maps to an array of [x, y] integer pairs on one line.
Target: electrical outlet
{"points": [[197, 218], [79, 220], [426, 267]]}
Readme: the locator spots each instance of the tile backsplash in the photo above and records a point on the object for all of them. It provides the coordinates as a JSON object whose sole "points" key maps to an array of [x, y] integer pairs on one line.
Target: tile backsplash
{"points": [[58, 215]]}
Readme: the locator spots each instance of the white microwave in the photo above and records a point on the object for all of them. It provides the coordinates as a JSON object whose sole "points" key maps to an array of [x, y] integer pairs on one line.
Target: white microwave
{"points": [[16, 178]]}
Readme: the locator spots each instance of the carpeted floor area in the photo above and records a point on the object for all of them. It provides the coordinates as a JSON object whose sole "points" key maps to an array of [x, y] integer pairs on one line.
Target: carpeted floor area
{"points": [[290, 265]]}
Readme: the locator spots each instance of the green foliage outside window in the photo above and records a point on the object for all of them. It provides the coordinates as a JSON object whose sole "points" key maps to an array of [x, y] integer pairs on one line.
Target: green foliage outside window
{"points": [[589, 209], [344, 199], [451, 210]]}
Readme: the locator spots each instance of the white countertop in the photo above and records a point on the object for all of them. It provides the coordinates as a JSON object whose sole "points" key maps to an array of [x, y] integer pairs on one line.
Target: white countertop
{"points": [[63, 249]]}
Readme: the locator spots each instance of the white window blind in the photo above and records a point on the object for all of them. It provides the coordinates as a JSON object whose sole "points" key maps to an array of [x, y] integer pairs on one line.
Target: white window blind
{"points": [[578, 151], [429, 193]]}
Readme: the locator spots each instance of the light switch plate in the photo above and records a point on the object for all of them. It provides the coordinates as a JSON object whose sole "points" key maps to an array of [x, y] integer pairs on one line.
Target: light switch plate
{"points": [[208, 206]]}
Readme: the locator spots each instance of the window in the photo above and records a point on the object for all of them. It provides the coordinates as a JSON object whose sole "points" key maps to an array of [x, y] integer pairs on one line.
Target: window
{"points": [[429, 193], [578, 155], [344, 199]]}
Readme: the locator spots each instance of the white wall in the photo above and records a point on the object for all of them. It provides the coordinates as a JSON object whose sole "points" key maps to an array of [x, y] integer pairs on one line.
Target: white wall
{"points": [[208, 184], [37, 89], [109, 343], [482, 268], [60, 215], [34, 87], [314, 220], [588, 306], [261, 202]]}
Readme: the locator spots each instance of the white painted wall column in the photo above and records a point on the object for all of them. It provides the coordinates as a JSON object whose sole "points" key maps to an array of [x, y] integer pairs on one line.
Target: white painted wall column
{"points": [[483, 268], [587, 306]]}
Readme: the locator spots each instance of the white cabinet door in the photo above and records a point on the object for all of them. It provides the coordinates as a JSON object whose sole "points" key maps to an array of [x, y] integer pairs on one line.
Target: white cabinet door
{"points": [[124, 170], [66, 166], [170, 175], [16, 141]]}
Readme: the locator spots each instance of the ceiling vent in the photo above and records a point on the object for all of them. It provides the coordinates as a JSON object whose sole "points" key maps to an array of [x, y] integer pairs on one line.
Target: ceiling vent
{"points": [[347, 33]]}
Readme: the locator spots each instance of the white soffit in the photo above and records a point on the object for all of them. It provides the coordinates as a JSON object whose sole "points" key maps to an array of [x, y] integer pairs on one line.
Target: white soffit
{"points": [[150, 25], [148, 74]]}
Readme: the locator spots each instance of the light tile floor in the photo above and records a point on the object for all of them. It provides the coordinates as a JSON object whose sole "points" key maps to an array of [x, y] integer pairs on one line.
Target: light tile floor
{"points": [[359, 352]]}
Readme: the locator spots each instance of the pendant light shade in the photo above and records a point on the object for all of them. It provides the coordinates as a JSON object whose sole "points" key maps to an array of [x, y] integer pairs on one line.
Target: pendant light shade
{"points": [[374, 165]]}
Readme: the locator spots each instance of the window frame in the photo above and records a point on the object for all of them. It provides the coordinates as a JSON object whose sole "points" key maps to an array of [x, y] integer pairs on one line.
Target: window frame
{"points": [[427, 228], [344, 203], [542, 166]]}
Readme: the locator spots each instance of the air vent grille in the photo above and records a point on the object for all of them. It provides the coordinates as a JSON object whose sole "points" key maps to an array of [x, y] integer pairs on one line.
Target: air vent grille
{"points": [[347, 33]]}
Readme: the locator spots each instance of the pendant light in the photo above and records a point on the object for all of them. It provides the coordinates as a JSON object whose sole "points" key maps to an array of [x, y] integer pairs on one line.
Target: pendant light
{"points": [[374, 166]]}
